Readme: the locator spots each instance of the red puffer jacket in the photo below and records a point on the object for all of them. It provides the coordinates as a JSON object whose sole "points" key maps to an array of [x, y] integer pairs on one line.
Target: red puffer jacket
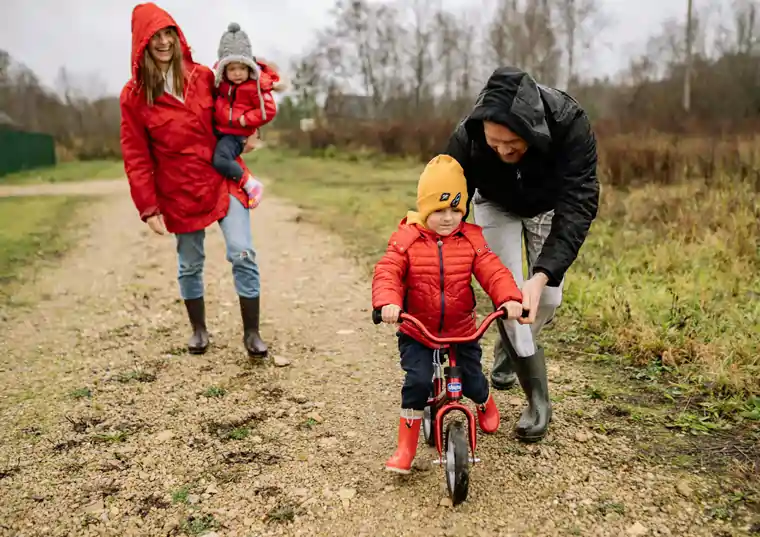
{"points": [[168, 147], [430, 277], [233, 101]]}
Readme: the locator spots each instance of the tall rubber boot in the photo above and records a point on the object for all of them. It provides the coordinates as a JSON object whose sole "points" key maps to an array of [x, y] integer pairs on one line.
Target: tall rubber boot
{"points": [[503, 376], [250, 311], [534, 421], [196, 312], [408, 435]]}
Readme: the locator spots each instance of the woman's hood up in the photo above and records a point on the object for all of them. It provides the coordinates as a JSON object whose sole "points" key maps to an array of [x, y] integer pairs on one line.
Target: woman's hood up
{"points": [[147, 19]]}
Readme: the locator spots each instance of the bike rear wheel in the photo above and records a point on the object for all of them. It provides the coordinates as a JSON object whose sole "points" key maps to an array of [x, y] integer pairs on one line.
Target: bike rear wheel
{"points": [[457, 462], [428, 425]]}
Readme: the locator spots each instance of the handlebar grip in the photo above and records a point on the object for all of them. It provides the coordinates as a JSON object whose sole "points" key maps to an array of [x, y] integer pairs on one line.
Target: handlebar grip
{"points": [[377, 316], [525, 314]]}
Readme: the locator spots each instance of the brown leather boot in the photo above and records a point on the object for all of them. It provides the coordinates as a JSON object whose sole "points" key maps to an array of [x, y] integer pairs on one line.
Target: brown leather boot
{"points": [[196, 312], [249, 310]]}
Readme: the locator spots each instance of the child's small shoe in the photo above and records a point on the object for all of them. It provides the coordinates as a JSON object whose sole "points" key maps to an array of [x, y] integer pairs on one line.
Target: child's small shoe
{"points": [[254, 189], [408, 435], [488, 416]]}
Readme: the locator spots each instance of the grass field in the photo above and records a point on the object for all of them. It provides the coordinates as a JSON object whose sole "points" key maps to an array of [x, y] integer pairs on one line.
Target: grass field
{"points": [[67, 172], [666, 281], [33, 230]]}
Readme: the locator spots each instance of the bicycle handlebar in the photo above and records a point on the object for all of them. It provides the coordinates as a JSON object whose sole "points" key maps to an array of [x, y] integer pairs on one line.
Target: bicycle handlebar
{"points": [[377, 319]]}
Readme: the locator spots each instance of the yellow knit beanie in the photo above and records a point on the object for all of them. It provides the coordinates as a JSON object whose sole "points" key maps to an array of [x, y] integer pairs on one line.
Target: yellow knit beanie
{"points": [[442, 184]]}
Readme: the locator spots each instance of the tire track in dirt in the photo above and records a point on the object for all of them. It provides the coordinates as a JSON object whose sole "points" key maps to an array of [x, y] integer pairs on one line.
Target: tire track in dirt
{"points": [[148, 454]]}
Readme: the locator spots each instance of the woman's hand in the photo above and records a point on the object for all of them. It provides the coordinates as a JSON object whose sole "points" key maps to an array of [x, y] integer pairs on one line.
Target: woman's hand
{"points": [[390, 313], [514, 309], [156, 224]]}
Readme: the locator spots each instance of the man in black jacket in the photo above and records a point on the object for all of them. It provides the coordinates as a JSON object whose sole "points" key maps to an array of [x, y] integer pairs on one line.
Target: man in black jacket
{"points": [[529, 156]]}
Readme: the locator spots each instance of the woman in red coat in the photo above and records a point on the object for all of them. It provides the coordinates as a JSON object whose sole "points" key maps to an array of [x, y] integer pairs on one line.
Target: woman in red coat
{"points": [[167, 141]]}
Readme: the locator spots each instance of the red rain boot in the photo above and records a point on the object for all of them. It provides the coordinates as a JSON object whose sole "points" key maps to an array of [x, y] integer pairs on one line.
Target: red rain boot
{"points": [[488, 416], [408, 435]]}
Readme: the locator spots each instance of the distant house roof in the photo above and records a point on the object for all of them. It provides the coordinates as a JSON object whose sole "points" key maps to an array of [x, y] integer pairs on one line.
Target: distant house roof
{"points": [[5, 119]]}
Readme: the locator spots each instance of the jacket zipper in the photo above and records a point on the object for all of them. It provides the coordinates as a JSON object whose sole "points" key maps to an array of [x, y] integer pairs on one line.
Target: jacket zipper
{"points": [[232, 100], [443, 294]]}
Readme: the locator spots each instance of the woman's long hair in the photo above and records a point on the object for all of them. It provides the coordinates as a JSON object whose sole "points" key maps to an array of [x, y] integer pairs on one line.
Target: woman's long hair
{"points": [[153, 78]]}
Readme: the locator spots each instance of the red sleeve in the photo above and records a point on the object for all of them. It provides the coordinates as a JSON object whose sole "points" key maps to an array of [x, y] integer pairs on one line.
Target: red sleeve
{"points": [[138, 161], [388, 280], [495, 279], [255, 118]]}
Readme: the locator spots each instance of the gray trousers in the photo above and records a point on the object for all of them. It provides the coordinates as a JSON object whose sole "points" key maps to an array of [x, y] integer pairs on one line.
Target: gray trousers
{"points": [[505, 234]]}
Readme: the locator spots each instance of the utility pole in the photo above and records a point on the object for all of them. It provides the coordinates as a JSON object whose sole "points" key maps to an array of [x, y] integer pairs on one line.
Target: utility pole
{"points": [[688, 66]]}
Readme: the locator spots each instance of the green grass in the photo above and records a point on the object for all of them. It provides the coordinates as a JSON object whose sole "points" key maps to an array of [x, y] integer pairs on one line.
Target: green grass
{"points": [[214, 391], [666, 281], [33, 230], [363, 201], [67, 172], [181, 494]]}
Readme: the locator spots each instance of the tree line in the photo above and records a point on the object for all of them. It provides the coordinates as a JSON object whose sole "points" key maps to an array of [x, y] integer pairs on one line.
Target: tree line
{"points": [[415, 58], [417, 65]]}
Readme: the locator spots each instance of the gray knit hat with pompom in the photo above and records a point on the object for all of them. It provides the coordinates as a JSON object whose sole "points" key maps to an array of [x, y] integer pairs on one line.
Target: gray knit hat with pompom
{"points": [[235, 47]]}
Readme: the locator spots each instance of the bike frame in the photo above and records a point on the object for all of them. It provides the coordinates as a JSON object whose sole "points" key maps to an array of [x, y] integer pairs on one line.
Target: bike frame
{"points": [[446, 398]]}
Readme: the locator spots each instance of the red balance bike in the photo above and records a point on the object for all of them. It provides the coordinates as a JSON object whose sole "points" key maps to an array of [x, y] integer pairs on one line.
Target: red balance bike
{"points": [[460, 444]]}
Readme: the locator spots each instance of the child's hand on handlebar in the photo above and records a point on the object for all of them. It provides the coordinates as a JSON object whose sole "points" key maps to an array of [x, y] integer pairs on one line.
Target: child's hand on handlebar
{"points": [[390, 313], [514, 309]]}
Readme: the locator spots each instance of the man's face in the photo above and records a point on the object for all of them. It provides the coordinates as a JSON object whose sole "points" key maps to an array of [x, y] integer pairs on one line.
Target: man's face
{"points": [[509, 146]]}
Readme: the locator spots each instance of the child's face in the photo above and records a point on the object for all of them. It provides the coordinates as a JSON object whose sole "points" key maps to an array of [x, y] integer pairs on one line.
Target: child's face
{"points": [[236, 72], [444, 221]]}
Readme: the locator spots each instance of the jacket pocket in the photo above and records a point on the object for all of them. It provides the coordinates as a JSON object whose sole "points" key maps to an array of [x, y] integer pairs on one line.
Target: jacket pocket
{"points": [[158, 126]]}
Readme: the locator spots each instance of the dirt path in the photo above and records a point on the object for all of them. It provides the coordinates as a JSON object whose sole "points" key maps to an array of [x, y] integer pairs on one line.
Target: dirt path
{"points": [[147, 454], [93, 188]]}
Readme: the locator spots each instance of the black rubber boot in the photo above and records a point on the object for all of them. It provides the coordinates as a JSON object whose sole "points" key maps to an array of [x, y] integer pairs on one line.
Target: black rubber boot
{"points": [[534, 421], [249, 310], [503, 376], [196, 312]]}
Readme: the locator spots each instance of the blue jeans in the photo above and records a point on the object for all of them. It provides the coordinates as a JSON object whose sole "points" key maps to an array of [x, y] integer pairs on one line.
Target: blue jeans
{"points": [[236, 228]]}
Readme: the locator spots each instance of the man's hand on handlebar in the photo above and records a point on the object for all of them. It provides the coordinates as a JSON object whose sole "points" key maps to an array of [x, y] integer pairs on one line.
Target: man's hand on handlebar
{"points": [[514, 309], [390, 313]]}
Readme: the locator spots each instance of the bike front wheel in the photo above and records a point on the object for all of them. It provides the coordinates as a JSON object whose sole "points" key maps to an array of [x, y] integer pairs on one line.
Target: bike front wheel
{"points": [[457, 462]]}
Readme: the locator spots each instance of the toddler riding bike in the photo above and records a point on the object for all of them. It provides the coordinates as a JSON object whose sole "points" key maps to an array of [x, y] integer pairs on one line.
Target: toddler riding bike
{"points": [[427, 272]]}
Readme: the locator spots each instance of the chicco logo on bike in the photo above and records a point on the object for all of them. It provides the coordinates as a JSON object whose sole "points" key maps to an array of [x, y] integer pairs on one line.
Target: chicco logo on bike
{"points": [[454, 387]]}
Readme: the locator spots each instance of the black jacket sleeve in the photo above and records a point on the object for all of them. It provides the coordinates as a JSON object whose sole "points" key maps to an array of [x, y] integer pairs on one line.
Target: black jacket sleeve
{"points": [[459, 148], [577, 202]]}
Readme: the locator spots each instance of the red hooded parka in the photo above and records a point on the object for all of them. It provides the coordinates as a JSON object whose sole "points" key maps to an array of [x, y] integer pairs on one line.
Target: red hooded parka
{"points": [[168, 147]]}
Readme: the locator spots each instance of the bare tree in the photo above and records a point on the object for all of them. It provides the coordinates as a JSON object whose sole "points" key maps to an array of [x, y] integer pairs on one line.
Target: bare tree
{"points": [[423, 17], [523, 34], [689, 58], [581, 22]]}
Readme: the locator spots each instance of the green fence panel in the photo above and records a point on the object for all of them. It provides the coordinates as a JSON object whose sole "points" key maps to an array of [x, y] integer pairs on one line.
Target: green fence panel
{"points": [[21, 150]]}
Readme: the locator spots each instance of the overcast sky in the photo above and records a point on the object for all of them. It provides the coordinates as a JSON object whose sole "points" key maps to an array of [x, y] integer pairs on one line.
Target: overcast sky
{"points": [[88, 36]]}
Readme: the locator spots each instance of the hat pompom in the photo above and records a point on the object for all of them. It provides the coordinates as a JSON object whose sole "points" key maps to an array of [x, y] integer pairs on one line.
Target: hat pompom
{"points": [[233, 27]]}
